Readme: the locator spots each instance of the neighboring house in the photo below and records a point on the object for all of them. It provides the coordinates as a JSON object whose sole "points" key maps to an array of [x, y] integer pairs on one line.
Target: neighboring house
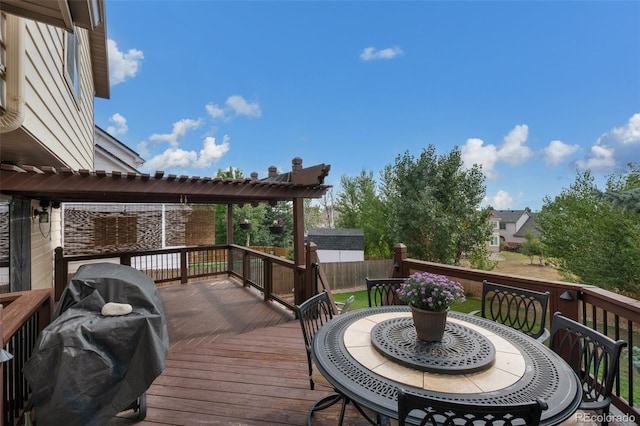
{"points": [[513, 225], [338, 245], [53, 64], [111, 154], [493, 246]]}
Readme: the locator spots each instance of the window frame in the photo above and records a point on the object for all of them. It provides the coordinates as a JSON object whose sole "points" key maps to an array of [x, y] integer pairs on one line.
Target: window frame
{"points": [[72, 62]]}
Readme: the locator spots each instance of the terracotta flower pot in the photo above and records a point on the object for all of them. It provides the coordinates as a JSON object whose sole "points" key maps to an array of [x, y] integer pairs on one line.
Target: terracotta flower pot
{"points": [[429, 325]]}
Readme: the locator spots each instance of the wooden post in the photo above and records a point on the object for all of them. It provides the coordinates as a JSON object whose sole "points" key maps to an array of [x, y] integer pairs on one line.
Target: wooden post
{"points": [[59, 273], [229, 223], [298, 231], [399, 255], [184, 267], [230, 237], [305, 289]]}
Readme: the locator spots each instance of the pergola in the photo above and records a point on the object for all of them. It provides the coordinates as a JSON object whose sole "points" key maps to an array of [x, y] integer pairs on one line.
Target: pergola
{"points": [[66, 185]]}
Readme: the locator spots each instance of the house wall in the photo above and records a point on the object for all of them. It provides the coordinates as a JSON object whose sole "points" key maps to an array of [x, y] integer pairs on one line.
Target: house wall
{"points": [[117, 155], [44, 240], [52, 114], [507, 233]]}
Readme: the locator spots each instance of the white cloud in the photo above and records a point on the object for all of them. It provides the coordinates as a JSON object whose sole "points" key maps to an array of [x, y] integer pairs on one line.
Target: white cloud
{"points": [[601, 159], [473, 152], [513, 151], [143, 148], [122, 66], [210, 152], [175, 157], [241, 107], [616, 148], [120, 125], [180, 128], [234, 106], [215, 111], [171, 158], [557, 151], [371, 53], [501, 201]]}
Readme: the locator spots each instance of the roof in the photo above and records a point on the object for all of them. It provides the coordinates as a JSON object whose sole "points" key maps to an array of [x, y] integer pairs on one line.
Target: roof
{"points": [[529, 226], [508, 216], [66, 185], [337, 239]]}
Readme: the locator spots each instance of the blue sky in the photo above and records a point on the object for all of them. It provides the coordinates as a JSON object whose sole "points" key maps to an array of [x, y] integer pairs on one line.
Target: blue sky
{"points": [[533, 91]]}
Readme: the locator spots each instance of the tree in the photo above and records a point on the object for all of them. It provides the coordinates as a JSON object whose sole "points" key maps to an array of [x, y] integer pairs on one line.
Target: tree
{"points": [[221, 209], [532, 246], [594, 242], [360, 206], [624, 191], [434, 205]]}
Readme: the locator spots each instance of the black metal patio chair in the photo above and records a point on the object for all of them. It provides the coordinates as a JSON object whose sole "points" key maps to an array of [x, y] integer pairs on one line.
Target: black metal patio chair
{"points": [[343, 307], [382, 291], [313, 314], [593, 356], [521, 309], [452, 413]]}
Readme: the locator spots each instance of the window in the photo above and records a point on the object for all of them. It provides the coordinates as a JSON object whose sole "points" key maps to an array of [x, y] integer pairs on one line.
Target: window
{"points": [[3, 62], [72, 66], [503, 225], [494, 224], [495, 241]]}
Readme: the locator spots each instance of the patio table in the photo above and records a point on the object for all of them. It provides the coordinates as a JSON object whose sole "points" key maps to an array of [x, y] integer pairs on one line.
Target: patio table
{"points": [[368, 353]]}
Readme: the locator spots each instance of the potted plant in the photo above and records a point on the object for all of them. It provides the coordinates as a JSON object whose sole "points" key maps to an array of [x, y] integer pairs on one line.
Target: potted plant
{"points": [[245, 223], [277, 226], [430, 296]]}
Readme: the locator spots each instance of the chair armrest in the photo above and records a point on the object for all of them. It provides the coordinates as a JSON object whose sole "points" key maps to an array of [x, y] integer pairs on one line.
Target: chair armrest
{"points": [[474, 313], [545, 335]]}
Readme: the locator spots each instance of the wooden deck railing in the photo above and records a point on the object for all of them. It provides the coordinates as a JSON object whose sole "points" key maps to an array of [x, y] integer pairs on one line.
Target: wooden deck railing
{"points": [[23, 316], [275, 276], [27, 313], [612, 314]]}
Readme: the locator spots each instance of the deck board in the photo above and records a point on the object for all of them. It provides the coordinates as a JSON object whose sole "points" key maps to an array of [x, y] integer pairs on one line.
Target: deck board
{"points": [[234, 359]]}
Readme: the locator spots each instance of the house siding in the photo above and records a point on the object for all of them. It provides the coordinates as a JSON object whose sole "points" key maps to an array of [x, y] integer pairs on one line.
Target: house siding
{"points": [[52, 114], [44, 238]]}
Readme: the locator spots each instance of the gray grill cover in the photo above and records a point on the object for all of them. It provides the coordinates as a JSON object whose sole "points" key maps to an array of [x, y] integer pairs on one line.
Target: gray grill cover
{"points": [[86, 367]]}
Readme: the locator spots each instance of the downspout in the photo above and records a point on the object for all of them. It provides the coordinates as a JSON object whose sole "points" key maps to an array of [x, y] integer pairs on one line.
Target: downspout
{"points": [[14, 114]]}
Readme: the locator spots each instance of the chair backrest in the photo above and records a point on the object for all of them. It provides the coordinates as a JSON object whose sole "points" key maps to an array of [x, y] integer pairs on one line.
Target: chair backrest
{"points": [[521, 309], [382, 291], [313, 314], [593, 356], [452, 413]]}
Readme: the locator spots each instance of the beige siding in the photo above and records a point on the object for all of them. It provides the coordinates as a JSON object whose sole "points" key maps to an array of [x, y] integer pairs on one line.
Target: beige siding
{"points": [[53, 115], [45, 238]]}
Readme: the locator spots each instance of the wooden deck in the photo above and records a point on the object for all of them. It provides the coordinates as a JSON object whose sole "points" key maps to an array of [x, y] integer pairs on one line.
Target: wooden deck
{"points": [[234, 359]]}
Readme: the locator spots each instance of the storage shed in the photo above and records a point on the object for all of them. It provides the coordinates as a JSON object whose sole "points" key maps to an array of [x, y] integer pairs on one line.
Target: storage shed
{"points": [[338, 245]]}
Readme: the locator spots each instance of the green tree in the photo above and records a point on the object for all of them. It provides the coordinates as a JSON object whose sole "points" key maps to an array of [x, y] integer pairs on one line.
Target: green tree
{"points": [[360, 206], [594, 242], [435, 205], [624, 191], [532, 246]]}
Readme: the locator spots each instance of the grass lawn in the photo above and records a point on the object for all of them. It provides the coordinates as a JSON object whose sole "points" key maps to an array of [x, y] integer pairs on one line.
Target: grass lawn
{"points": [[361, 301]]}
